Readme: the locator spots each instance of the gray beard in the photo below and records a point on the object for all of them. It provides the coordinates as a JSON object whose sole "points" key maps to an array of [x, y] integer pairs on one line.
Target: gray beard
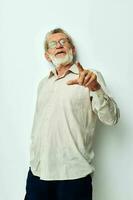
{"points": [[68, 58]]}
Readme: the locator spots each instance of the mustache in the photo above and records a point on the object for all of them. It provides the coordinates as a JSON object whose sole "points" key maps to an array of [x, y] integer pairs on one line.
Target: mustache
{"points": [[60, 52]]}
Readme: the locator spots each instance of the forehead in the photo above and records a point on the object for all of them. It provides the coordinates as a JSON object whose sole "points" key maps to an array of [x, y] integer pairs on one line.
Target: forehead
{"points": [[56, 36]]}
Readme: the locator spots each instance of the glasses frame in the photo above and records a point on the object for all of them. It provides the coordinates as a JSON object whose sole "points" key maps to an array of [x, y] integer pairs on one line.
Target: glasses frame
{"points": [[65, 40]]}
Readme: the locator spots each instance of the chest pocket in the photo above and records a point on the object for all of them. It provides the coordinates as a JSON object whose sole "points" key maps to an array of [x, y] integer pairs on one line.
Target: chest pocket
{"points": [[74, 95]]}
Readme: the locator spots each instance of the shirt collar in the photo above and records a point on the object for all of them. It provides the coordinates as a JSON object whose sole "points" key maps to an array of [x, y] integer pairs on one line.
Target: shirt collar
{"points": [[73, 69]]}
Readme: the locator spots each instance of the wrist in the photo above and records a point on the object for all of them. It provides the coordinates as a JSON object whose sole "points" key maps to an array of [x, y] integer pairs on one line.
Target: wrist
{"points": [[95, 88]]}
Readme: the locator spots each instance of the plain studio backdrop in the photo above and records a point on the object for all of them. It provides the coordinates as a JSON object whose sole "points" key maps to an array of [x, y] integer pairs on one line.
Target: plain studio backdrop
{"points": [[102, 34]]}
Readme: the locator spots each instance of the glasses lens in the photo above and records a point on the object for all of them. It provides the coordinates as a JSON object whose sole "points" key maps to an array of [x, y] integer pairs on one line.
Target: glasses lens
{"points": [[52, 45], [62, 41]]}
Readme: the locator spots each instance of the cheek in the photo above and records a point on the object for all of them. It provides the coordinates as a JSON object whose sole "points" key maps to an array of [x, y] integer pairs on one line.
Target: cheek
{"points": [[68, 47], [51, 51]]}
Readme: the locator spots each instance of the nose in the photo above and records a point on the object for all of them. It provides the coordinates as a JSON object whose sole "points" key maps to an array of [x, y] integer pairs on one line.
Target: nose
{"points": [[58, 45]]}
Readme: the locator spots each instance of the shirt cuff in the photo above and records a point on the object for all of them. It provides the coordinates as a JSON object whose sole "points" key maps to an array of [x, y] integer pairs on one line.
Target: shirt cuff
{"points": [[99, 95], [97, 92]]}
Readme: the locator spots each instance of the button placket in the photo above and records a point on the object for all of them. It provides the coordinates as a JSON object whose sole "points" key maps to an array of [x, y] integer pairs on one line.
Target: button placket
{"points": [[52, 97], [49, 106]]}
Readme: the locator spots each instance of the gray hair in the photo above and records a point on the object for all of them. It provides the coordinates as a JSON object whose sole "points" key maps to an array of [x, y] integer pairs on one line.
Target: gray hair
{"points": [[56, 30]]}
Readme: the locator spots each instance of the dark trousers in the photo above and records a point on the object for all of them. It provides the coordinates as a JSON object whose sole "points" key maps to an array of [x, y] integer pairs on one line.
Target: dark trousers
{"points": [[76, 189]]}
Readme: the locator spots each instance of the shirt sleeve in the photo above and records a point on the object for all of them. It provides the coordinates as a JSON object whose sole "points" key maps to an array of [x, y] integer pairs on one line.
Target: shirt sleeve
{"points": [[103, 103]]}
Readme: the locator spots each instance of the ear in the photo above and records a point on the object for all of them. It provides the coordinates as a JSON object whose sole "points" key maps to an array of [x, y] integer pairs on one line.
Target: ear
{"points": [[47, 57]]}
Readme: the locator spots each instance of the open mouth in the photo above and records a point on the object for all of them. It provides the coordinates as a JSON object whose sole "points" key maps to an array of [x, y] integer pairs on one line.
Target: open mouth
{"points": [[60, 53]]}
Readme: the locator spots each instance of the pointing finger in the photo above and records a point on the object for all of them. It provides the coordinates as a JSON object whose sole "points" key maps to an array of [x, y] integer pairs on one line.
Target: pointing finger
{"points": [[80, 68]]}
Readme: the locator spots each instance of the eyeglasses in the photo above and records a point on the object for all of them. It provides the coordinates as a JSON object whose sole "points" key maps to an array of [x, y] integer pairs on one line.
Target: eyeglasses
{"points": [[62, 42]]}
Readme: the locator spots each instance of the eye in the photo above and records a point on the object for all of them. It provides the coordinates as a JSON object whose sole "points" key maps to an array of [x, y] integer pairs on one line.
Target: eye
{"points": [[62, 41], [52, 44]]}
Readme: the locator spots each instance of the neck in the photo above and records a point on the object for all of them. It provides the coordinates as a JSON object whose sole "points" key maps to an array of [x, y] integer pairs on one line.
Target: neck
{"points": [[61, 69]]}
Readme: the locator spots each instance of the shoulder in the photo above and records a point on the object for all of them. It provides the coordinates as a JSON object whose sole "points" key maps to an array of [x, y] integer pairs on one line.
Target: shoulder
{"points": [[98, 73], [95, 70], [100, 77], [42, 82], [101, 81]]}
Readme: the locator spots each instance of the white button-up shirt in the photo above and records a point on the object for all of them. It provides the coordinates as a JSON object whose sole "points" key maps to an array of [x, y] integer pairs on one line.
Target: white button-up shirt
{"points": [[64, 124]]}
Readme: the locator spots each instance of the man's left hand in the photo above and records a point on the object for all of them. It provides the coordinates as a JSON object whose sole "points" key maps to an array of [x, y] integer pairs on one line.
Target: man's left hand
{"points": [[86, 78]]}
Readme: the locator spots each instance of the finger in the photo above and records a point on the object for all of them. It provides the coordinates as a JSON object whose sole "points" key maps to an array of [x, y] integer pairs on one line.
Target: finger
{"points": [[87, 78], [80, 68], [72, 82], [92, 79], [82, 77]]}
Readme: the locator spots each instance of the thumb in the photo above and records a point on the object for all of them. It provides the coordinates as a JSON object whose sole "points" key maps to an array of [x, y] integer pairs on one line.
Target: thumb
{"points": [[72, 82]]}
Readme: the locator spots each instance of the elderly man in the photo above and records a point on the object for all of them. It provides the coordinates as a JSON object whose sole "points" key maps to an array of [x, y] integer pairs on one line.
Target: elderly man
{"points": [[69, 101]]}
